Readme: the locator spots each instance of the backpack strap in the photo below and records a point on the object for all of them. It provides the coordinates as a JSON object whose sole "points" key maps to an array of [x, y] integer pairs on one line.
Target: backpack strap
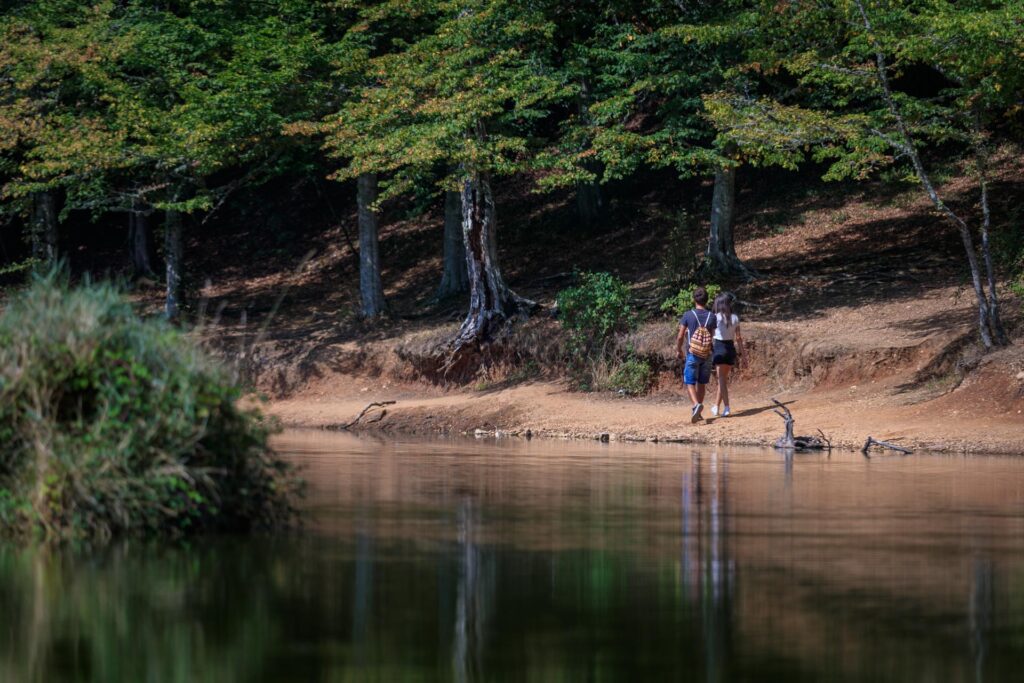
{"points": [[707, 321]]}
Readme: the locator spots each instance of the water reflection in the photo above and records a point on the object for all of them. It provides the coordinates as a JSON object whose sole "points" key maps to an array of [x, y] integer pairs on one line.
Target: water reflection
{"points": [[549, 561]]}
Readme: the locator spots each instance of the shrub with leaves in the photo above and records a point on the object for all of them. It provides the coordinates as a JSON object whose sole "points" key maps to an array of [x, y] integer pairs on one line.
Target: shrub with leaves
{"points": [[111, 424], [683, 301], [596, 309], [632, 376]]}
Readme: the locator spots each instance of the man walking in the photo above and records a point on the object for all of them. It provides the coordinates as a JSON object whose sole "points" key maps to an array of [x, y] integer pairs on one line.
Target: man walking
{"points": [[696, 328]]}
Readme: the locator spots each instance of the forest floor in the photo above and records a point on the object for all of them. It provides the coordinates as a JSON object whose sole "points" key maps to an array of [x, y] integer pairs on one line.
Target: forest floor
{"points": [[860, 321]]}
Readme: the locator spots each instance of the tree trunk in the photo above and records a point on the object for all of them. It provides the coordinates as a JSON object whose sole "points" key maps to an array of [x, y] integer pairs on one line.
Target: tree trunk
{"points": [[721, 244], [172, 256], [371, 290], [455, 277], [138, 244], [491, 302], [905, 144], [999, 336], [589, 198], [589, 204], [44, 228]]}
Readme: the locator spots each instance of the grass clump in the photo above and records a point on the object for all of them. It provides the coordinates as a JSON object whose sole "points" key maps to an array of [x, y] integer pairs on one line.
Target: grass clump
{"points": [[111, 424]]}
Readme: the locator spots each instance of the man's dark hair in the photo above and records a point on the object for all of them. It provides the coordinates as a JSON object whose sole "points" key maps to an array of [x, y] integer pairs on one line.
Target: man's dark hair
{"points": [[700, 296]]}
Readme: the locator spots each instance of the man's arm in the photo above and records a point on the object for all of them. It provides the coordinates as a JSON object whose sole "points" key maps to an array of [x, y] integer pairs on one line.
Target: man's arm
{"points": [[681, 339]]}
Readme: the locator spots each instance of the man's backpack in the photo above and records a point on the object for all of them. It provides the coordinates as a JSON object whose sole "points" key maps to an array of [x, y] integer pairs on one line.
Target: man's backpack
{"points": [[700, 340]]}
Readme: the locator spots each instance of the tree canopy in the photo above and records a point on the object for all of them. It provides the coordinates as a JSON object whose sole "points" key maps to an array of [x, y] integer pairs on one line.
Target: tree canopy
{"points": [[134, 106]]}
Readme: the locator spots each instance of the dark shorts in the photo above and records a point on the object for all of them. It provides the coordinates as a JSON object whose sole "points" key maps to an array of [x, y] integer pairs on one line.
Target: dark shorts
{"points": [[724, 353], [697, 370]]}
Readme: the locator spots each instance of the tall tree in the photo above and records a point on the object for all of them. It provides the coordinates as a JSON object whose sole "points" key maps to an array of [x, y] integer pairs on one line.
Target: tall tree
{"points": [[645, 66], [370, 288], [454, 274], [853, 104], [169, 106], [466, 94]]}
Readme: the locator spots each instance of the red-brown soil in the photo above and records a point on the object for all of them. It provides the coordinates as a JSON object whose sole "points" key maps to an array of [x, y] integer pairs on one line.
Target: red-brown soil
{"points": [[861, 321]]}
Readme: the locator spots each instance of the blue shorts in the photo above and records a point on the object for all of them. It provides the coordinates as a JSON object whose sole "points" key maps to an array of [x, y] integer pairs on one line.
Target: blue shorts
{"points": [[697, 370]]}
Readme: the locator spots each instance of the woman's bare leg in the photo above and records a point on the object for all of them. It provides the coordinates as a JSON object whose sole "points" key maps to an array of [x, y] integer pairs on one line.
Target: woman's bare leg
{"points": [[723, 384]]}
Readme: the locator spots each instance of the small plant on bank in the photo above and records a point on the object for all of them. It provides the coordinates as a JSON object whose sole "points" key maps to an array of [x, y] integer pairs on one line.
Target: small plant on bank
{"points": [[595, 310], [632, 376], [682, 301], [115, 425]]}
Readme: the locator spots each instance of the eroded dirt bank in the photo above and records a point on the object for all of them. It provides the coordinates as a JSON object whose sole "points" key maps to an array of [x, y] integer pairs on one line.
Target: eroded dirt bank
{"points": [[848, 394]]}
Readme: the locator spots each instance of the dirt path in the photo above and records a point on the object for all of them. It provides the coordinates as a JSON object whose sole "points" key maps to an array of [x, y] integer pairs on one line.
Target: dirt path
{"points": [[859, 321], [966, 420]]}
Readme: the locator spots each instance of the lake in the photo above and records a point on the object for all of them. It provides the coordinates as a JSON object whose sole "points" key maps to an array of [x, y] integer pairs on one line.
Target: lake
{"points": [[517, 560]]}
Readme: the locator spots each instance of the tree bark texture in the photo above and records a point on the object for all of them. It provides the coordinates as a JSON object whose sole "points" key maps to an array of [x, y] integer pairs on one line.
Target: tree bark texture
{"points": [[455, 276], [138, 244], [999, 336], [589, 204], [721, 242], [172, 257], [491, 302], [371, 290], [44, 227]]}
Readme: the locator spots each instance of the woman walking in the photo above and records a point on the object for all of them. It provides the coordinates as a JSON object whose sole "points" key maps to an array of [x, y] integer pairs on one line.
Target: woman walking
{"points": [[725, 355]]}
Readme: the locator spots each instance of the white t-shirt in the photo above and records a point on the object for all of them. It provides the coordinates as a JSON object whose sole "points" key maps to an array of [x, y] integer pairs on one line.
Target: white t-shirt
{"points": [[725, 332]]}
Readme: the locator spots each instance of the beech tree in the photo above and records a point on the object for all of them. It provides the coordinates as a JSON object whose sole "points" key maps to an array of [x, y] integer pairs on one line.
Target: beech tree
{"points": [[136, 108], [645, 67], [465, 95], [454, 274], [850, 107]]}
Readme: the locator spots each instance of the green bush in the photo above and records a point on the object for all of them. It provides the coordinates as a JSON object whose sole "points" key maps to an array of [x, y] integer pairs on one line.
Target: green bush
{"points": [[595, 310], [114, 425], [633, 376], [683, 301]]}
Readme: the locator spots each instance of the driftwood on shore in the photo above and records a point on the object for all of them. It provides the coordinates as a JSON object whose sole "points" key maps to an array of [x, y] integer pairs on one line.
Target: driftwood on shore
{"points": [[788, 442], [368, 408], [883, 444]]}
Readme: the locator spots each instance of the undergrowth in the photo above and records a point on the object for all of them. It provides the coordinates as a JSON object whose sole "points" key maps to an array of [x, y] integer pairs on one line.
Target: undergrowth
{"points": [[111, 424]]}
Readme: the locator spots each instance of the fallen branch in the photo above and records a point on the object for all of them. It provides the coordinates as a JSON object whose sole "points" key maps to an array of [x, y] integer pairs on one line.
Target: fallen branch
{"points": [[884, 444], [368, 408], [828, 441]]}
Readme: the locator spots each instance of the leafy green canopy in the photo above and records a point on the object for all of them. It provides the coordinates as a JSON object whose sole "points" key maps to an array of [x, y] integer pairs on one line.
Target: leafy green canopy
{"points": [[642, 69], [822, 97], [117, 101], [467, 92]]}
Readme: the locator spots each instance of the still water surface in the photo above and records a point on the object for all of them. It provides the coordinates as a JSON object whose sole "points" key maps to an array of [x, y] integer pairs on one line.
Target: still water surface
{"points": [[550, 561]]}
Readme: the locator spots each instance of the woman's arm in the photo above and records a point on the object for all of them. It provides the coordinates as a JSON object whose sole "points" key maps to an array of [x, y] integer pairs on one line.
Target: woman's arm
{"points": [[740, 350]]}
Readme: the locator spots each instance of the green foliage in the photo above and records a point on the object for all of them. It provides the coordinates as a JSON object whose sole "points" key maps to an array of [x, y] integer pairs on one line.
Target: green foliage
{"points": [[683, 300], [632, 376], [115, 425], [596, 309], [465, 91]]}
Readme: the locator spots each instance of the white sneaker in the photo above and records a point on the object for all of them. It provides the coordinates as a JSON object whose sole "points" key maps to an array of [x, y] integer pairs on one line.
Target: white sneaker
{"points": [[726, 412], [714, 410]]}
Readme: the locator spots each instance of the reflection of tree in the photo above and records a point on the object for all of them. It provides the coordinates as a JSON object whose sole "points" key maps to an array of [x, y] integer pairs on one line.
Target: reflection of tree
{"points": [[108, 618], [982, 605], [473, 596], [707, 566]]}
